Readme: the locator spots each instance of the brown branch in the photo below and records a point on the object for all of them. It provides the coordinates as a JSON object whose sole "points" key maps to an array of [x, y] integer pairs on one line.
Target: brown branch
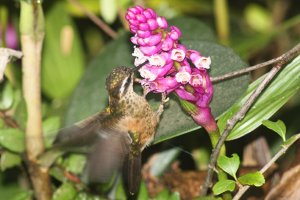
{"points": [[241, 113], [95, 19], [249, 69], [282, 151], [32, 36]]}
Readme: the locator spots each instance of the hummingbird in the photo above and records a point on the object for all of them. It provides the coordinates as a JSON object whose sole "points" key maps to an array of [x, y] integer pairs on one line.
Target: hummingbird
{"points": [[113, 139]]}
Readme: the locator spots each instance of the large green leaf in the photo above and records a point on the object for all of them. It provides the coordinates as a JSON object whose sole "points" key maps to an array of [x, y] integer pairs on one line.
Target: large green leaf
{"points": [[62, 63], [9, 160], [90, 95], [281, 89], [12, 139], [200, 31]]}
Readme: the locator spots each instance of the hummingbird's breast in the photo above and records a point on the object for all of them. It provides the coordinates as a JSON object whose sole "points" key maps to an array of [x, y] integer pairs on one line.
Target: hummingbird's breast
{"points": [[139, 119]]}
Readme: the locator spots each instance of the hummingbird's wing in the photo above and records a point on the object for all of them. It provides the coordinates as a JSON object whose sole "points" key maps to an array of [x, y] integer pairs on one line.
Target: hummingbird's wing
{"points": [[81, 136], [107, 157]]}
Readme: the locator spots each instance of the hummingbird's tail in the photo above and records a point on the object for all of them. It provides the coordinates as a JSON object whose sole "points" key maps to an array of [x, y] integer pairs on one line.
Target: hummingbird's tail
{"points": [[132, 172]]}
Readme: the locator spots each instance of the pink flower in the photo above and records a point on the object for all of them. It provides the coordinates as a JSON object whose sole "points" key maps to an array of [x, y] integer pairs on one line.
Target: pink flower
{"points": [[162, 22], [150, 72], [150, 50], [167, 44], [167, 84], [175, 33], [169, 68]]}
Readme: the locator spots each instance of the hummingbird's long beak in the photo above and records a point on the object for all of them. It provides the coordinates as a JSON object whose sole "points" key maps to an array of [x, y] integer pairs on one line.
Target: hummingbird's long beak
{"points": [[139, 66]]}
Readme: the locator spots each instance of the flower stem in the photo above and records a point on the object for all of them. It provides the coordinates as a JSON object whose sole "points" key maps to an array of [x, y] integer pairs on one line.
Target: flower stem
{"points": [[214, 138]]}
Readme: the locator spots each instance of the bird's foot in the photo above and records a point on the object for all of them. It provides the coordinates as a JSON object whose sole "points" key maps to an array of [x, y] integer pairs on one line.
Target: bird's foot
{"points": [[164, 100]]}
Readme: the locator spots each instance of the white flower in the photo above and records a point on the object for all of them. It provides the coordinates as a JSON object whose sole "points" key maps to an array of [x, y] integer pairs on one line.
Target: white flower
{"points": [[157, 60], [147, 74], [139, 56], [196, 80], [183, 77], [177, 55], [203, 62]]}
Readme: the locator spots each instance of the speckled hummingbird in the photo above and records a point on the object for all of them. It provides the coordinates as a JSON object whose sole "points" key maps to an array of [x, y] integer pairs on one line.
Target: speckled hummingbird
{"points": [[114, 138]]}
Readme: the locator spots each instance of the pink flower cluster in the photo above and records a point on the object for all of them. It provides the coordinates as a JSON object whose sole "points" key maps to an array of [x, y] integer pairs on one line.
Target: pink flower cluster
{"points": [[171, 66]]}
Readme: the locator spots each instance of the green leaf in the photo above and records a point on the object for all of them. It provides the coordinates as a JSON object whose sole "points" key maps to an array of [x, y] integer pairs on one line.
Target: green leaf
{"points": [[278, 127], [208, 198], [91, 96], [65, 192], [2, 123], [63, 62], [120, 193], [57, 173], [50, 127], [6, 96], [229, 165], [108, 10], [191, 7], [9, 186], [12, 139], [280, 90], [9, 160], [85, 196], [223, 186], [174, 196], [90, 5], [21, 114], [26, 195], [143, 192], [163, 161], [200, 30], [258, 18], [75, 163], [162, 195], [255, 178]]}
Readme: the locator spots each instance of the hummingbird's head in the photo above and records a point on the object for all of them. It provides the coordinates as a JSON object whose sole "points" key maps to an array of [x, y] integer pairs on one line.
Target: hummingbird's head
{"points": [[119, 81]]}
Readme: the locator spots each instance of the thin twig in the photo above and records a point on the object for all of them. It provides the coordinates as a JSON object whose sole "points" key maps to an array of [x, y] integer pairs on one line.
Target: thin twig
{"points": [[248, 69], [95, 19], [282, 151], [10, 53], [6, 55], [8, 120], [241, 113]]}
